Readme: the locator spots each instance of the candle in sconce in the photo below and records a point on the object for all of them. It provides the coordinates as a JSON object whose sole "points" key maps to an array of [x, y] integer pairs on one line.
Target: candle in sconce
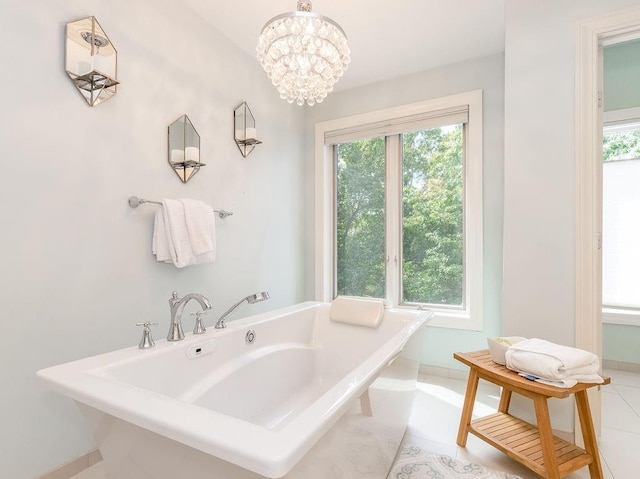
{"points": [[192, 153], [240, 135], [251, 134], [83, 68], [101, 64], [177, 156]]}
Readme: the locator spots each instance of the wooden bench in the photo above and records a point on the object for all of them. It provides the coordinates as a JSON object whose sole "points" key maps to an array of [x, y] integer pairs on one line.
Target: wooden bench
{"points": [[535, 447]]}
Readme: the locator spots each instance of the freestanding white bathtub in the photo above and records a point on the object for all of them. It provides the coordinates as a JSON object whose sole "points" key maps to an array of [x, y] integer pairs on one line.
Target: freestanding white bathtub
{"points": [[308, 398]]}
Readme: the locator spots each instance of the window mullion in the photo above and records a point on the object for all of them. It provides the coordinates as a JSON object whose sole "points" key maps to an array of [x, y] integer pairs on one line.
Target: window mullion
{"points": [[393, 202]]}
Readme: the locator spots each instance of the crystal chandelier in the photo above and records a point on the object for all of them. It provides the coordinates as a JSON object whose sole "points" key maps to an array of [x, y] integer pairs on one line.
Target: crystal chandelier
{"points": [[304, 54]]}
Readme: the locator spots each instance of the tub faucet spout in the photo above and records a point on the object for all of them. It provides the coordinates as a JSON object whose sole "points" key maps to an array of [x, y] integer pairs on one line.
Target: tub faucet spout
{"points": [[177, 304]]}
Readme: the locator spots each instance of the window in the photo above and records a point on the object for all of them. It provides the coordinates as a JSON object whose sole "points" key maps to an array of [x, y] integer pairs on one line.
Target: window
{"points": [[399, 208], [432, 216], [360, 218], [620, 228]]}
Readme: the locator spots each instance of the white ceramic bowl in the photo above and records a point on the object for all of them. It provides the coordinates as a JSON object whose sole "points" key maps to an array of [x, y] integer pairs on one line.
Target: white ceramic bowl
{"points": [[498, 347]]}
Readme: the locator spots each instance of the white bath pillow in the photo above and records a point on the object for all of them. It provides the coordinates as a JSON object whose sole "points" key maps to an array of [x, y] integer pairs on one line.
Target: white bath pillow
{"points": [[359, 311]]}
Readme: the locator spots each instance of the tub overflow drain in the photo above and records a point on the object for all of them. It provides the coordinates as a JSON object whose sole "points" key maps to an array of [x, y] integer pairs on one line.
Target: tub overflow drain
{"points": [[250, 337]]}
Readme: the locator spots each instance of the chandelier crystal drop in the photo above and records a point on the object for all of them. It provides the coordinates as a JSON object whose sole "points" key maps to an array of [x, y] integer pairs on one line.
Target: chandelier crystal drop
{"points": [[304, 54]]}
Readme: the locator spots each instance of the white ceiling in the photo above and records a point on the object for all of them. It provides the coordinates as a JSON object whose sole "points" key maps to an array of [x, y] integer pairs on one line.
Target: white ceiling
{"points": [[388, 38]]}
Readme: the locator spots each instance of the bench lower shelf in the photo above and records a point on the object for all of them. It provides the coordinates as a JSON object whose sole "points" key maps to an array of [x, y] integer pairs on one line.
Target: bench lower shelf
{"points": [[521, 441]]}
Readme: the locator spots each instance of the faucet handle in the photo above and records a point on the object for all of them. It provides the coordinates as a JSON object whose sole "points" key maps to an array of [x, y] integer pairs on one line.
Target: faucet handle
{"points": [[199, 327], [173, 300], [147, 340]]}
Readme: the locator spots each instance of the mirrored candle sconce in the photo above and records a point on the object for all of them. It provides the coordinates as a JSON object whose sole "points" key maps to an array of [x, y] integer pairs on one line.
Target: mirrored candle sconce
{"points": [[91, 61], [244, 125], [184, 148]]}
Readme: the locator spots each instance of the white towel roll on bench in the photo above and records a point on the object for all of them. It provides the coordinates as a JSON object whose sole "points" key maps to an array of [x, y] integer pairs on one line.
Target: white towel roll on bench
{"points": [[358, 311], [553, 364]]}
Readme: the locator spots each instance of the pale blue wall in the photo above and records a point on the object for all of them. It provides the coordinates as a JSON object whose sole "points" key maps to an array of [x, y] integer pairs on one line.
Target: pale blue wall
{"points": [[621, 90], [621, 343], [622, 75]]}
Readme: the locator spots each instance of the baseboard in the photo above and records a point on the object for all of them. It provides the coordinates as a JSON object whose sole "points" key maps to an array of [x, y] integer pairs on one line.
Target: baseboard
{"points": [[443, 372], [621, 365], [75, 466]]}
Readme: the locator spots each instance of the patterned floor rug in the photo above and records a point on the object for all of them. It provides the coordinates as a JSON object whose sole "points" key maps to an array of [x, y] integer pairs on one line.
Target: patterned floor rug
{"points": [[414, 463]]}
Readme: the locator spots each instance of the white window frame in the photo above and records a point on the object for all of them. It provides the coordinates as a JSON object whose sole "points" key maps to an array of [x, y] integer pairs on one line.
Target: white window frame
{"points": [[471, 317], [612, 120]]}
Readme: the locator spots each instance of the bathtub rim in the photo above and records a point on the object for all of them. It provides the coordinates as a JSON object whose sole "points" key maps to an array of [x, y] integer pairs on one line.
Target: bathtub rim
{"points": [[271, 453]]}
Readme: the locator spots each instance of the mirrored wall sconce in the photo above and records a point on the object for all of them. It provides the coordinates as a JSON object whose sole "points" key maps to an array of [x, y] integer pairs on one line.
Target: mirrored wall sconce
{"points": [[245, 129], [91, 61], [184, 148]]}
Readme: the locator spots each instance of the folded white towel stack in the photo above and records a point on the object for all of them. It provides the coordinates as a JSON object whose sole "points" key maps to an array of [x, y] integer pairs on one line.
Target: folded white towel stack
{"points": [[184, 233], [358, 311], [553, 364]]}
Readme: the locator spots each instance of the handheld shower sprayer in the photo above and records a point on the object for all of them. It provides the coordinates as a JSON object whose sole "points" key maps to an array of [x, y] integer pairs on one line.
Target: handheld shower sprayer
{"points": [[251, 299]]}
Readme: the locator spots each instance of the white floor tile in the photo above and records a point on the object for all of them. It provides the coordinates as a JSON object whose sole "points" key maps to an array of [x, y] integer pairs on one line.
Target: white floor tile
{"points": [[605, 468], [631, 395], [436, 414], [617, 414], [623, 378], [609, 389], [620, 451], [431, 446]]}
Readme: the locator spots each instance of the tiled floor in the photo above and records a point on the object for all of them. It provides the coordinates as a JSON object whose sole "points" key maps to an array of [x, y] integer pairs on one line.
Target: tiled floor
{"points": [[436, 413]]}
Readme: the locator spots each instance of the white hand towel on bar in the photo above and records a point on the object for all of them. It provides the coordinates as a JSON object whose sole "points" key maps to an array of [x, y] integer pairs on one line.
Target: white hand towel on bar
{"points": [[358, 311], [177, 235], [160, 242], [201, 227], [184, 233], [554, 364]]}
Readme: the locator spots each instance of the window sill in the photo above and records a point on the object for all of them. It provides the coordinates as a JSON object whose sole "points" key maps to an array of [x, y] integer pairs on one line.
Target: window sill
{"points": [[622, 317], [445, 318]]}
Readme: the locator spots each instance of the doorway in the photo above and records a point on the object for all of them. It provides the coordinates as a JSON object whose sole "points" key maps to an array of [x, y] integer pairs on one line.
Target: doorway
{"points": [[593, 34], [621, 204]]}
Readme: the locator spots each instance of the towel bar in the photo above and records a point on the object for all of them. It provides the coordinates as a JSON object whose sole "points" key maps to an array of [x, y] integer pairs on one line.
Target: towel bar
{"points": [[134, 202]]}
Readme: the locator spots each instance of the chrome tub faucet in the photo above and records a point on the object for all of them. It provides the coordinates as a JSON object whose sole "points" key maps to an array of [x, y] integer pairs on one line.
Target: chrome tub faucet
{"points": [[177, 304]]}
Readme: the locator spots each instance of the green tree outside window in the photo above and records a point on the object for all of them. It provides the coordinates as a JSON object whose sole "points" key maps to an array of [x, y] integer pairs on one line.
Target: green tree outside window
{"points": [[432, 224]]}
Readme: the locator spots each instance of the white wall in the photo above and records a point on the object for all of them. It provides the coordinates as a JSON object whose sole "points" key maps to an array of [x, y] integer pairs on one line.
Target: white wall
{"points": [[77, 271], [483, 73], [539, 183]]}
